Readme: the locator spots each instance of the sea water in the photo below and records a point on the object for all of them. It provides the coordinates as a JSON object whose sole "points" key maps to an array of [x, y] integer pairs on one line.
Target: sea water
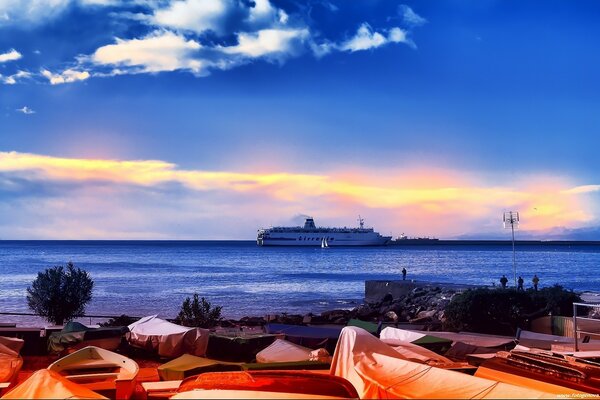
{"points": [[140, 278]]}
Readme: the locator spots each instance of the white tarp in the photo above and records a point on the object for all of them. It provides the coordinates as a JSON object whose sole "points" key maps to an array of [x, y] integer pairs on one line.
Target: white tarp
{"points": [[400, 335], [378, 371], [283, 351], [168, 339], [474, 339]]}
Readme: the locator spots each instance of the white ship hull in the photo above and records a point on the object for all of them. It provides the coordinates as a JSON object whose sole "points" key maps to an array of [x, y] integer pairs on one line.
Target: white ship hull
{"points": [[320, 237]]}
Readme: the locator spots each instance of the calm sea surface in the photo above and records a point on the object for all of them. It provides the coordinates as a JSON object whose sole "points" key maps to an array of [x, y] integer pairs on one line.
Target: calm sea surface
{"points": [[140, 277]]}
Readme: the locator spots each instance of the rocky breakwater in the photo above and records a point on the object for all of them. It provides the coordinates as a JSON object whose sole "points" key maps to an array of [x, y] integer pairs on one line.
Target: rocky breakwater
{"points": [[421, 305]]}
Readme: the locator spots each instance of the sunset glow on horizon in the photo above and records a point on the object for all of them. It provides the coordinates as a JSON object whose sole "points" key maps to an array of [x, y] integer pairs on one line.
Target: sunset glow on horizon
{"points": [[430, 206]]}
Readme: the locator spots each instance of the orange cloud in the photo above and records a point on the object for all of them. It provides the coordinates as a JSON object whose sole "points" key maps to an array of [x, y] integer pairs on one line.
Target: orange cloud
{"points": [[421, 201]]}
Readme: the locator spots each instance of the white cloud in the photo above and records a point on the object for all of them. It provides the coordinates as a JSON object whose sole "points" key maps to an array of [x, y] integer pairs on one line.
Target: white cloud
{"points": [[410, 17], [365, 39], [11, 55], [219, 16], [14, 78], [583, 189], [31, 11], [267, 42], [67, 76], [159, 51], [193, 15], [25, 110]]}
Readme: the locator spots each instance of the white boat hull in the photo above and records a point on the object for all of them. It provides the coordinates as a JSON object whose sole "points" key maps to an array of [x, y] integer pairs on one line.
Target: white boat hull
{"points": [[316, 239]]}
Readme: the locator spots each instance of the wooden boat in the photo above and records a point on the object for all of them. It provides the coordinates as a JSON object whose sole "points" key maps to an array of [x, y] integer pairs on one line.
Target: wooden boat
{"points": [[566, 371], [303, 384], [10, 365], [100, 370]]}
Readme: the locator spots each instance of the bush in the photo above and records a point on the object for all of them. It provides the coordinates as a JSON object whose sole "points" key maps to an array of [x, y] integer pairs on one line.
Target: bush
{"points": [[122, 320], [59, 293], [198, 313], [501, 311]]}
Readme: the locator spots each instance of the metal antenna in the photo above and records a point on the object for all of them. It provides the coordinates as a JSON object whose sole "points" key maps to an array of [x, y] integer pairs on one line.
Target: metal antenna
{"points": [[512, 218]]}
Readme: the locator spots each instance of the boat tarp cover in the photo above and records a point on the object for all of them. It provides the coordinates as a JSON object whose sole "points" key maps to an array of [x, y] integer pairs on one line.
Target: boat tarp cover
{"points": [[366, 325], [168, 339], [74, 333], [45, 384], [12, 343], [290, 365], [281, 350], [493, 374], [378, 371], [10, 364], [188, 365], [244, 394], [308, 336], [403, 335], [414, 352], [238, 349], [314, 332]]}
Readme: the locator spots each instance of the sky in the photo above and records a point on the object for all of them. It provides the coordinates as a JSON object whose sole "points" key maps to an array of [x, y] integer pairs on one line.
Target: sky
{"points": [[208, 119]]}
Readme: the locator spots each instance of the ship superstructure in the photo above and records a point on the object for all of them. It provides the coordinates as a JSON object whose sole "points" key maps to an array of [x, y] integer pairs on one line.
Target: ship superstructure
{"points": [[311, 235]]}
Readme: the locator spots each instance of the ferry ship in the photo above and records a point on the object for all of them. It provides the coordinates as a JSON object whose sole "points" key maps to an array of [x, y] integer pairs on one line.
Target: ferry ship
{"points": [[311, 235]]}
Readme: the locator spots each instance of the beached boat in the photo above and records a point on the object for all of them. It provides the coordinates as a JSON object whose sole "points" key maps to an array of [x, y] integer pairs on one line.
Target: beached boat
{"points": [[542, 366], [166, 338], [100, 370], [311, 235], [44, 384], [75, 336], [302, 384], [10, 365], [378, 371]]}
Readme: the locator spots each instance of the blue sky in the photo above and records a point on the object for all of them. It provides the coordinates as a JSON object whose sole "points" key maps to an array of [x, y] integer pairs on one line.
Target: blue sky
{"points": [[494, 102]]}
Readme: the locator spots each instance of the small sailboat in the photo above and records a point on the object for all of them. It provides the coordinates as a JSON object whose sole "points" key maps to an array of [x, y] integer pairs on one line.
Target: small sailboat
{"points": [[324, 244], [100, 370]]}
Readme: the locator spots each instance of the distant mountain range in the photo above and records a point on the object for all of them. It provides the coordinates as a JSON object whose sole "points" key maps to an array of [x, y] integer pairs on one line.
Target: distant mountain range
{"points": [[556, 233]]}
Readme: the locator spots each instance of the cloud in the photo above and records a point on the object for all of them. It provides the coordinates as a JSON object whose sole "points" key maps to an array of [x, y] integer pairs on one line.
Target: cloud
{"points": [[409, 17], [14, 78], [11, 55], [422, 202], [25, 110], [159, 51], [583, 189], [196, 36], [222, 17], [30, 11], [66, 76], [365, 39], [268, 42]]}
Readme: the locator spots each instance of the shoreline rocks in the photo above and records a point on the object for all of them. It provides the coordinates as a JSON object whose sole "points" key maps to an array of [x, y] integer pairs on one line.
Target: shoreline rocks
{"points": [[422, 305]]}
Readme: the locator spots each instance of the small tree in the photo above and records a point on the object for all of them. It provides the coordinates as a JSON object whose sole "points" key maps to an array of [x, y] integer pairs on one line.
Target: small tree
{"points": [[59, 293], [198, 313]]}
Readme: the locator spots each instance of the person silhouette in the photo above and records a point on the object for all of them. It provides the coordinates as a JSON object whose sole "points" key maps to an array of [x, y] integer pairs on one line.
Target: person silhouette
{"points": [[403, 274], [535, 281], [520, 283], [503, 281]]}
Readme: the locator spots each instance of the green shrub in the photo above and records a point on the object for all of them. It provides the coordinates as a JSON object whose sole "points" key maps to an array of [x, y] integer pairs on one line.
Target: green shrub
{"points": [[122, 320], [555, 300], [59, 294], [501, 311], [198, 313], [487, 310]]}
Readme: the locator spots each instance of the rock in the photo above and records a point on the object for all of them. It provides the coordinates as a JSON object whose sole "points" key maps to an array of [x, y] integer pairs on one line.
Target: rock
{"points": [[426, 314], [307, 318], [391, 316]]}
